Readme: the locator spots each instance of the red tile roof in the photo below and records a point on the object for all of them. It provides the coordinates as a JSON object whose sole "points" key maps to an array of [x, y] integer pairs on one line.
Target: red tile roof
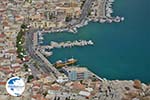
{"points": [[55, 88], [2, 83], [5, 23], [78, 85], [38, 85], [1, 41], [2, 35]]}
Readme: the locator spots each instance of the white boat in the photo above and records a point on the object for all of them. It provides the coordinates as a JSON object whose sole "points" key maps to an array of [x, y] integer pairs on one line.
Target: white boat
{"points": [[90, 42], [41, 42], [102, 20], [41, 38], [117, 19], [109, 20], [122, 18], [39, 33], [47, 53], [59, 61]]}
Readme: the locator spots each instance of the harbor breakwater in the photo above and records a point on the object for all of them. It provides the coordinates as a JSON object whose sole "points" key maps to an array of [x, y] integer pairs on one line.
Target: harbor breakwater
{"points": [[71, 44]]}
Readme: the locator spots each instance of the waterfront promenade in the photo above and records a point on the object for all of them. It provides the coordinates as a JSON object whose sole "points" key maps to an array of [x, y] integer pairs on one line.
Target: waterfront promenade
{"points": [[53, 69], [35, 43], [85, 10], [44, 64]]}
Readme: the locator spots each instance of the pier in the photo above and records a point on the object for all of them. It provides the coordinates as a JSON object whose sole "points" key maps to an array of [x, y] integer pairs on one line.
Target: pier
{"points": [[67, 44], [46, 47], [70, 44], [109, 11]]}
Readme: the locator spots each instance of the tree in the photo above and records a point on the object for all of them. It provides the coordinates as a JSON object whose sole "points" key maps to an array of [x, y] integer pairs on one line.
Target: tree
{"points": [[58, 98], [68, 19], [137, 84], [26, 67], [45, 93], [23, 26], [30, 77]]}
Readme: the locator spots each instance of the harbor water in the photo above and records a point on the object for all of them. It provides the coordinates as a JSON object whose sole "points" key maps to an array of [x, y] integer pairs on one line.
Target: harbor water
{"points": [[120, 50]]}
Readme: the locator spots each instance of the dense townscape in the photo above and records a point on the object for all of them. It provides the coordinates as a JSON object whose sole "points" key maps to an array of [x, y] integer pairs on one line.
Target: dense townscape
{"points": [[21, 55]]}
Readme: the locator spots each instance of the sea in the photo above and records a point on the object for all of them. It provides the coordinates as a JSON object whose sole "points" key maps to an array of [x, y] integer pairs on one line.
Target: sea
{"points": [[121, 51]]}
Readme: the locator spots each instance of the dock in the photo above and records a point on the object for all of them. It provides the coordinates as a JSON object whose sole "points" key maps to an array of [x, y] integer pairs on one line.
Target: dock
{"points": [[53, 69], [99, 78], [47, 63], [70, 44], [46, 47]]}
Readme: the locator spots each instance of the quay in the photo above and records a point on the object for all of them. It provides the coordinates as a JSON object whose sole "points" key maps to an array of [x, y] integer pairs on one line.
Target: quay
{"points": [[70, 44], [32, 45], [84, 19], [53, 69], [46, 47], [42, 48], [99, 78]]}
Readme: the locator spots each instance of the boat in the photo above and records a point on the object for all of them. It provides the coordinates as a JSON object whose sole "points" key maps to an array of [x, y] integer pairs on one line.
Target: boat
{"points": [[122, 18], [90, 42], [73, 30], [71, 61], [102, 20], [60, 64], [46, 53], [117, 19], [41, 38], [41, 42]]}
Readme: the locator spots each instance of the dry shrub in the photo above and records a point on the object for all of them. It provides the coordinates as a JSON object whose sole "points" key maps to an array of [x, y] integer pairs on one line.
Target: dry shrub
{"points": [[137, 84]]}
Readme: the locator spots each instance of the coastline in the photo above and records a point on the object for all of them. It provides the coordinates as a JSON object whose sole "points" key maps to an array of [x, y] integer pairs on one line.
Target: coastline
{"points": [[92, 73], [110, 88], [74, 29], [99, 61], [107, 18]]}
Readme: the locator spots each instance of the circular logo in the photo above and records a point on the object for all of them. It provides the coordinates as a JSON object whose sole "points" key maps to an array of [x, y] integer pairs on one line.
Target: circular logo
{"points": [[15, 86]]}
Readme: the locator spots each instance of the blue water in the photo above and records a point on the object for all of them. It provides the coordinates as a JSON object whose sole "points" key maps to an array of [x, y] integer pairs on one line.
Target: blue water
{"points": [[121, 50]]}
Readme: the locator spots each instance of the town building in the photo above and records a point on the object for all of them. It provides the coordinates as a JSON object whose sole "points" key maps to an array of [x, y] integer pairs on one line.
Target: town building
{"points": [[77, 73]]}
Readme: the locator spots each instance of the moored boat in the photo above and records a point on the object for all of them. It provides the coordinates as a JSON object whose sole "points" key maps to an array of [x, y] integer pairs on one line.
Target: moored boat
{"points": [[60, 63]]}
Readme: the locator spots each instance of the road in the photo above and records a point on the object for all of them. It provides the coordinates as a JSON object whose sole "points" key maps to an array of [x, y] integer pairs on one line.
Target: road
{"points": [[85, 10], [30, 49], [46, 67]]}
